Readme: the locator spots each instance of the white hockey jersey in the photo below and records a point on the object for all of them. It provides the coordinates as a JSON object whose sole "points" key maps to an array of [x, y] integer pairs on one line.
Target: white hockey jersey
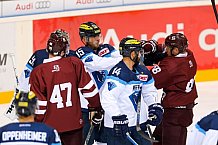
{"points": [[121, 91], [205, 132], [98, 63]]}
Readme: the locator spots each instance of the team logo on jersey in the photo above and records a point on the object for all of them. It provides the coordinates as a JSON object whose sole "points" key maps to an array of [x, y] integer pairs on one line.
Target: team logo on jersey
{"points": [[103, 52], [56, 68], [27, 73], [111, 85], [136, 88], [89, 59], [143, 77]]}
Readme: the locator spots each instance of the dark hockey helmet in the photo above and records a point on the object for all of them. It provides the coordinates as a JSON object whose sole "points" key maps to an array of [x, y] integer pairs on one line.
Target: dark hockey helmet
{"points": [[89, 29], [177, 40], [58, 41], [128, 45], [25, 103]]}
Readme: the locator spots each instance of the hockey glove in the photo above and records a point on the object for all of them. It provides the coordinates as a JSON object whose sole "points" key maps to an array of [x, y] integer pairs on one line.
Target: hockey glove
{"points": [[97, 118], [120, 125], [149, 46], [155, 114], [153, 52], [143, 126]]}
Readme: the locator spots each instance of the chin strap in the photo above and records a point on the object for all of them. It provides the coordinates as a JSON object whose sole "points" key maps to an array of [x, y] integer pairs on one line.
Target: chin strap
{"points": [[135, 59]]}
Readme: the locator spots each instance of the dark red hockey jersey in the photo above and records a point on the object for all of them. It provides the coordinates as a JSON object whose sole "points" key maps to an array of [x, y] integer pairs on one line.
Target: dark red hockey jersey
{"points": [[176, 76], [56, 86]]}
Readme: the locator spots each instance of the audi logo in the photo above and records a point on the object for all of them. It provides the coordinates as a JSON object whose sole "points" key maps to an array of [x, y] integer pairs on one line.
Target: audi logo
{"points": [[103, 1], [42, 4]]}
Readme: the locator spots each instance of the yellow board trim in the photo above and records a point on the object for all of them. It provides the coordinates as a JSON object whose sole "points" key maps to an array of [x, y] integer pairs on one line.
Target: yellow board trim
{"points": [[207, 75], [201, 76], [6, 97]]}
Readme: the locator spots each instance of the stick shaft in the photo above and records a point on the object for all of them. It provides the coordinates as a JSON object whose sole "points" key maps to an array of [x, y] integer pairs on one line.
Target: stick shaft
{"points": [[215, 10]]}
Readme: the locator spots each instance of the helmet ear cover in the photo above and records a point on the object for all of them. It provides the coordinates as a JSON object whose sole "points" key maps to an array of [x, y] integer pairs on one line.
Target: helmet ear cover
{"points": [[25, 103]]}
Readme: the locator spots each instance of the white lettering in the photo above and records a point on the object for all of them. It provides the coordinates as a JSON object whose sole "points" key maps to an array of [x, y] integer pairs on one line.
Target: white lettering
{"points": [[203, 43], [24, 135], [111, 35]]}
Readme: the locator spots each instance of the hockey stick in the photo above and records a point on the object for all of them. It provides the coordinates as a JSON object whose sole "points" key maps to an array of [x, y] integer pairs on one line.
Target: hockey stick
{"points": [[215, 10], [89, 134], [10, 112], [131, 139], [151, 139]]}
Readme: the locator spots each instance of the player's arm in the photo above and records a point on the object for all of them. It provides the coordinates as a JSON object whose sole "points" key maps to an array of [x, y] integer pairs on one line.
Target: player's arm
{"points": [[155, 109], [87, 86], [38, 87], [25, 75], [94, 62]]}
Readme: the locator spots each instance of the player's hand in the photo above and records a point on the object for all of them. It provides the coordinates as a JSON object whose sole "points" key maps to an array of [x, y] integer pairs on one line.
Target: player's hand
{"points": [[120, 125], [150, 46], [97, 118], [155, 114]]}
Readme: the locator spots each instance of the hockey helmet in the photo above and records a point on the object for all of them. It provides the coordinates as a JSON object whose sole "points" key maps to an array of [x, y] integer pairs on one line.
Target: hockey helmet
{"points": [[128, 45], [25, 103], [177, 40], [58, 41], [89, 29]]}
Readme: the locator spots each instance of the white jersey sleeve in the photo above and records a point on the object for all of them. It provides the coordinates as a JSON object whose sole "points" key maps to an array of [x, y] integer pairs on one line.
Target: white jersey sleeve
{"points": [[211, 137], [94, 62], [149, 92]]}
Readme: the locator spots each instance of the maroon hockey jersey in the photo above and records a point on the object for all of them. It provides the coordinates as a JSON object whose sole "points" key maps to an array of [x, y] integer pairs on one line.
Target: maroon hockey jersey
{"points": [[56, 85], [176, 76]]}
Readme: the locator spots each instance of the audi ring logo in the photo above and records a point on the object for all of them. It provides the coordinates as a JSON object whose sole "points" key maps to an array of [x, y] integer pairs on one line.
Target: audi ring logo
{"points": [[103, 1], [42, 4]]}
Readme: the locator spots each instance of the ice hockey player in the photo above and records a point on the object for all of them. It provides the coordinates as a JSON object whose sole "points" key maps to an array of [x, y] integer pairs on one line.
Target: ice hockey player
{"points": [[98, 59], [205, 132], [36, 59], [26, 131], [175, 75], [56, 83], [126, 82]]}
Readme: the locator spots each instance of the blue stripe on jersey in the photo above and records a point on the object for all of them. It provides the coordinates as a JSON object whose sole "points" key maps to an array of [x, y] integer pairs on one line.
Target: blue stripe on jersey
{"points": [[109, 54], [149, 82], [200, 129], [122, 81], [29, 66], [56, 144]]}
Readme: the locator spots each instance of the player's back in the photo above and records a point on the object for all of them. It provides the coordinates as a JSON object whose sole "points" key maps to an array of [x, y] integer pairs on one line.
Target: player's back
{"points": [[59, 85], [176, 77], [28, 133]]}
